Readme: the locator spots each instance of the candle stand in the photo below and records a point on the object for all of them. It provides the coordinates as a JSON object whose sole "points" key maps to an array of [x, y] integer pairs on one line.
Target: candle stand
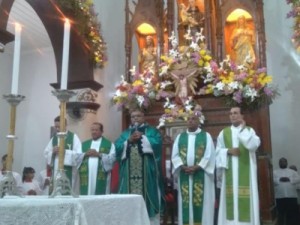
{"points": [[61, 183], [8, 184]]}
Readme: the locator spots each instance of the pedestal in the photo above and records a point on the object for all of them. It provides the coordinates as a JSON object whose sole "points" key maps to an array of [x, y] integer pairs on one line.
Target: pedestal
{"points": [[61, 183], [8, 183]]}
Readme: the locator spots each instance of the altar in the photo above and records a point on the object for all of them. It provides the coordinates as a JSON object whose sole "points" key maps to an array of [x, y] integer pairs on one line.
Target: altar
{"points": [[65, 210]]}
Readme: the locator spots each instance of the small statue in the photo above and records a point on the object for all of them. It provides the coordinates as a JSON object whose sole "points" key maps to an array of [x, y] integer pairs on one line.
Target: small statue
{"points": [[242, 42], [185, 81], [191, 17], [148, 55]]}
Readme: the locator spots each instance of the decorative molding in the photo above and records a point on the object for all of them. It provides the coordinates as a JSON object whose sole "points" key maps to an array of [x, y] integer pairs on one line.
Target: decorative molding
{"points": [[94, 85], [83, 103]]}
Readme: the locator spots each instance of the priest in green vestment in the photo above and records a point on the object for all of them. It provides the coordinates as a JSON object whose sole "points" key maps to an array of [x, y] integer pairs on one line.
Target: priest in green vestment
{"points": [[139, 153], [99, 157], [73, 155], [236, 157], [193, 159]]}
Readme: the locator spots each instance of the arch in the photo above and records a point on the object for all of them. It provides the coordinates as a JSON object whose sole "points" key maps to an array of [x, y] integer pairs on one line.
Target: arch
{"points": [[80, 65]]}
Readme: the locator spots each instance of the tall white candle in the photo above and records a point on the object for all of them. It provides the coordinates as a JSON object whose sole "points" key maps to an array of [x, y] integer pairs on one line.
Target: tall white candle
{"points": [[65, 59], [16, 62]]}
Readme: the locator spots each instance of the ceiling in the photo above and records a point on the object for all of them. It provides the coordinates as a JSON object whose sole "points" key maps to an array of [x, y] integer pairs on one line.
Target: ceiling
{"points": [[34, 36]]}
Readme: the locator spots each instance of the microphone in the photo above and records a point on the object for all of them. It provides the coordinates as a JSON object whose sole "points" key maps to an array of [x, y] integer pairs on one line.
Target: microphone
{"points": [[135, 126]]}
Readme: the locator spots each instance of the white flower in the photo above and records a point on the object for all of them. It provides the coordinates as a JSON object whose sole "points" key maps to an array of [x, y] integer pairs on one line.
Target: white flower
{"points": [[251, 92], [201, 119], [241, 67], [164, 70], [167, 103], [133, 70], [220, 86], [122, 78], [194, 46], [118, 93], [173, 53], [162, 121], [148, 80], [172, 106], [188, 107], [209, 77], [173, 37], [233, 85], [164, 84], [227, 58], [140, 99], [208, 69], [188, 35], [200, 36]]}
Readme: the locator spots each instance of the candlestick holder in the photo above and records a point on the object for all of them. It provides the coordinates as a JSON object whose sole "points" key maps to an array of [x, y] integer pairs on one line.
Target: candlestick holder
{"points": [[61, 183], [8, 183]]}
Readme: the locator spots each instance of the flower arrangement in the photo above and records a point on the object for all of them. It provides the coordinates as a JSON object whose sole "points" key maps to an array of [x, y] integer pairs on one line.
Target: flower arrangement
{"points": [[139, 93], [190, 61], [239, 84], [88, 26], [174, 112], [295, 13], [188, 72]]}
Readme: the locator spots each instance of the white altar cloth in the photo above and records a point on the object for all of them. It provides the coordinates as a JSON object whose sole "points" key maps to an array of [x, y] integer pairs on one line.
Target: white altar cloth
{"points": [[66, 210]]}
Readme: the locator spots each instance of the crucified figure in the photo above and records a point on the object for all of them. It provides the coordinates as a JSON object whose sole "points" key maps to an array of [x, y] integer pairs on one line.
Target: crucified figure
{"points": [[184, 81]]}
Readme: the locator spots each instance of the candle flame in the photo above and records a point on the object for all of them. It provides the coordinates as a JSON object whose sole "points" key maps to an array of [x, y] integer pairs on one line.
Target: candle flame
{"points": [[18, 26], [67, 21]]}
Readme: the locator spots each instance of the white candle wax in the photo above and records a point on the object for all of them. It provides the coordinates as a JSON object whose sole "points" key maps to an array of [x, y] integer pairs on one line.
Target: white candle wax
{"points": [[16, 62], [65, 59]]}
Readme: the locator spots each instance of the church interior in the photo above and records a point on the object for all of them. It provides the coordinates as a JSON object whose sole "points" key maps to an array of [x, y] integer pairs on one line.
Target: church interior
{"points": [[126, 28]]}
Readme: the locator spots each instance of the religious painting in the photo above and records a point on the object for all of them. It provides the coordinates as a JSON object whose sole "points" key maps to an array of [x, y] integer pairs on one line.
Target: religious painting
{"points": [[190, 17], [240, 37], [147, 47]]}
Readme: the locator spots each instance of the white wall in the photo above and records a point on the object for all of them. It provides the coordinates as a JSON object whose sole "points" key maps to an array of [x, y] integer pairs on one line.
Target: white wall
{"points": [[283, 62], [112, 18], [35, 114]]}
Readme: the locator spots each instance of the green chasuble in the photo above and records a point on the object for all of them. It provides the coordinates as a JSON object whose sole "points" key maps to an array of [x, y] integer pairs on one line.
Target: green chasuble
{"points": [[101, 174], [140, 173], [243, 181], [69, 146], [198, 178]]}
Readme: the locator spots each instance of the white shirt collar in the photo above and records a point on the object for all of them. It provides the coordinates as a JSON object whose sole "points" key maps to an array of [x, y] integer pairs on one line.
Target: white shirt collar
{"points": [[97, 140], [236, 128], [193, 132]]}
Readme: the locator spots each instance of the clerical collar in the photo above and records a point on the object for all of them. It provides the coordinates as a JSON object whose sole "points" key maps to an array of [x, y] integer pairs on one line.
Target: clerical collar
{"points": [[238, 128], [98, 139], [194, 132]]}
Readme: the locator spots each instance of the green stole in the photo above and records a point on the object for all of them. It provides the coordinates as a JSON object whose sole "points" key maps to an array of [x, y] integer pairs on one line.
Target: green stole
{"points": [[68, 145], [243, 178], [198, 178], [101, 180]]}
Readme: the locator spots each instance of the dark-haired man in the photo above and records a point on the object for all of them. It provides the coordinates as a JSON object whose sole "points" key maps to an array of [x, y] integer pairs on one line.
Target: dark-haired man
{"points": [[139, 152], [236, 157], [73, 154], [99, 157], [285, 185], [193, 159]]}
